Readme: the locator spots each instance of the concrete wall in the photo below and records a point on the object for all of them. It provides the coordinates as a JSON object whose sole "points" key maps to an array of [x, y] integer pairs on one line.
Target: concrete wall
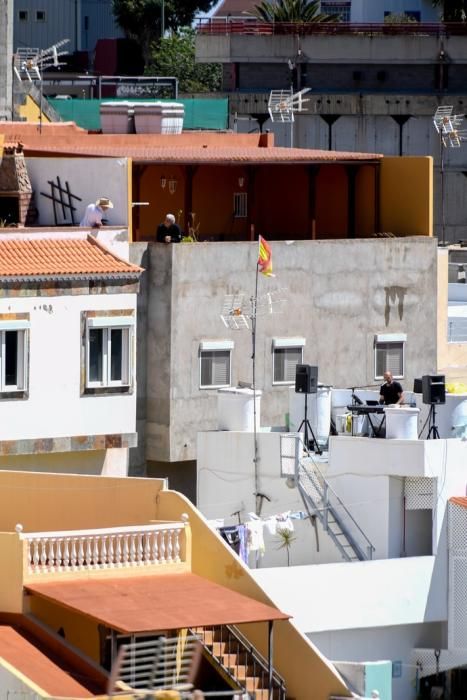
{"points": [[88, 180], [452, 357], [338, 295], [6, 50], [393, 643]]}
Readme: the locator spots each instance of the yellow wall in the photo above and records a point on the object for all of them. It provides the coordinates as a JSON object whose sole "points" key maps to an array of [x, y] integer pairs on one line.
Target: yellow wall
{"points": [[11, 572], [60, 502], [365, 187], [452, 357], [30, 111], [66, 502], [406, 195], [308, 674], [80, 631]]}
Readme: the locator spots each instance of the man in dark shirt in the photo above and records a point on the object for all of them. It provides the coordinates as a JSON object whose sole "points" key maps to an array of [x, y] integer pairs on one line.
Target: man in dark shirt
{"points": [[391, 392], [169, 231]]}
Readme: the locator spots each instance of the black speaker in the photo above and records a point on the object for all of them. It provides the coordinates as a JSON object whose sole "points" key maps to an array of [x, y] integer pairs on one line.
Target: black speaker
{"points": [[417, 386], [434, 388], [306, 379]]}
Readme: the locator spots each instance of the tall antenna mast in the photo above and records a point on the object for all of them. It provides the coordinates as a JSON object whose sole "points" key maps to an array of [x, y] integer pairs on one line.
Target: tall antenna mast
{"points": [[450, 136], [283, 104], [240, 313], [31, 63]]}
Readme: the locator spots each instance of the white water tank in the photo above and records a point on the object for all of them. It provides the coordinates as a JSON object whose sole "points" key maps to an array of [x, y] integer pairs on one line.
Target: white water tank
{"points": [[159, 117], [319, 412], [401, 422], [235, 409], [116, 117], [459, 420]]}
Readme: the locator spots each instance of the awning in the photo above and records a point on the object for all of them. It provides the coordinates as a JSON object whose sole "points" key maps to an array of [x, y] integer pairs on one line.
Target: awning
{"points": [[149, 603]]}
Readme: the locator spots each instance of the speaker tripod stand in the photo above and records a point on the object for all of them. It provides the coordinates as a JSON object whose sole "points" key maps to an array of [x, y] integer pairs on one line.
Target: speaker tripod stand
{"points": [[433, 433], [310, 444]]}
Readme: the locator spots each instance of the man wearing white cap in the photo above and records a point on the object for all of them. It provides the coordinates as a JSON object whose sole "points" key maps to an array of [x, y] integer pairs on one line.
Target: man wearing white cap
{"points": [[94, 213]]}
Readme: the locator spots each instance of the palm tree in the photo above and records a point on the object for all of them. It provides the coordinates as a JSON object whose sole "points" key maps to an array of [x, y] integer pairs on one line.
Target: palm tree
{"points": [[292, 11], [452, 10]]}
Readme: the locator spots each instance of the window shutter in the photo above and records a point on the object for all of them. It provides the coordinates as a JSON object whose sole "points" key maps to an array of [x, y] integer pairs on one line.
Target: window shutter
{"points": [[285, 362], [215, 368], [390, 356]]}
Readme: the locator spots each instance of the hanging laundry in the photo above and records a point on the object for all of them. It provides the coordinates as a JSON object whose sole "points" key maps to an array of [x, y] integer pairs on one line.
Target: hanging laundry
{"points": [[271, 525], [244, 551], [284, 522], [255, 536], [217, 523], [231, 535]]}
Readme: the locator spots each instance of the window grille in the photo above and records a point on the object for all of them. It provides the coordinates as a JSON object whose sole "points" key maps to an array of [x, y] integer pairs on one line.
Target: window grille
{"points": [[240, 205]]}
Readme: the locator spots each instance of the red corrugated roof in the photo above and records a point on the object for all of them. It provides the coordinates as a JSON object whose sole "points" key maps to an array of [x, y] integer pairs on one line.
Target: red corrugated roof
{"points": [[30, 257], [155, 603]]}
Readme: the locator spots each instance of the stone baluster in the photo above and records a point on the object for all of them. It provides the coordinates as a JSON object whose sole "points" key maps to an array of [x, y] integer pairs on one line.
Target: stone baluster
{"points": [[139, 549], [111, 555], [95, 553], [169, 545], [104, 554], [66, 554], [147, 548], [132, 561], [50, 545], [73, 555], [81, 553], [118, 551], [88, 555], [162, 547], [35, 556], [176, 552], [154, 549], [43, 554], [126, 550]]}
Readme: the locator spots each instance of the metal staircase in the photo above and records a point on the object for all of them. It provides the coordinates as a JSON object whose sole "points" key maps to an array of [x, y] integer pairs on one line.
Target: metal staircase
{"points": [[322, 501], [241, 663]]}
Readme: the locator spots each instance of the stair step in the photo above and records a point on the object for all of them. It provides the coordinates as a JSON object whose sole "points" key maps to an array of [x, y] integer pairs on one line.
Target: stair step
{"points": [[231, 660], [253, 683]]}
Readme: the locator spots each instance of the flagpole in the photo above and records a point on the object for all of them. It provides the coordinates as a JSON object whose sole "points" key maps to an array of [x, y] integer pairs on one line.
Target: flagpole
{"points": [[254, 303]]}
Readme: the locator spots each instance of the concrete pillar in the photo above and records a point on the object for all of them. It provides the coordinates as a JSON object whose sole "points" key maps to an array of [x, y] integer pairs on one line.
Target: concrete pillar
{"points": [[6, 53]]}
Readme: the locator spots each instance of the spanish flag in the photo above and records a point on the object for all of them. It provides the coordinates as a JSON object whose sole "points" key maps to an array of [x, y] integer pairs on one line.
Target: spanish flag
{"points": [[265, 257]]}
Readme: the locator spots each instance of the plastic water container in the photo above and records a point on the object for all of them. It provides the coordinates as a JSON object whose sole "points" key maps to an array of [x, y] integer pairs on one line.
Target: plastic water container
{"points": [[235, 409], [341, 422], [459, 420], [116, 117], [401, 423]]}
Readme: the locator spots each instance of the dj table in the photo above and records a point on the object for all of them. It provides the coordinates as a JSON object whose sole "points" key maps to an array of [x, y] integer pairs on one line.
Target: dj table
{"points": [[364, 410]]}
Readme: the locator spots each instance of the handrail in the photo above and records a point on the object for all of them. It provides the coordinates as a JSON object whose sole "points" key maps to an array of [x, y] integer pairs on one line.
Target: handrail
{"points": [[256, 654], [249, 25], [127, 529], [370, 545]]}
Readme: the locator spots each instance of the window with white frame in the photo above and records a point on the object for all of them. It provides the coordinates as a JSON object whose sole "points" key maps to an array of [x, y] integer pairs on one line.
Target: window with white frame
{"points": [[287, 353], [389, 354], [215, 362], [108, 351], [13, 354]]}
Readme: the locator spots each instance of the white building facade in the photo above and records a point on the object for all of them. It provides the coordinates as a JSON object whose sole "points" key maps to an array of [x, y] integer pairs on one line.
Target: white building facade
{"points": [[67, 354]]}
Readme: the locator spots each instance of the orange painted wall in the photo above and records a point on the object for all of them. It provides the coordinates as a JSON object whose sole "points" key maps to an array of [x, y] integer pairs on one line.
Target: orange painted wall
{"points": [[282, 202], [213, 194], [365, 196], [331, 202], [280, 208]]}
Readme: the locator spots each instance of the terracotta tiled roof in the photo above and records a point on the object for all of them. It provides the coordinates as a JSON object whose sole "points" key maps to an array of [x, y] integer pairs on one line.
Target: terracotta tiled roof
{"points": [[59, 257], [196, 147], [459, 501], [196, 154]]}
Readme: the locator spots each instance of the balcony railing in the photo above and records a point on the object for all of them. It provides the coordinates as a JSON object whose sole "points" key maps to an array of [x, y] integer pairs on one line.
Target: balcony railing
{"points": [[109, 548], [251, 25]]}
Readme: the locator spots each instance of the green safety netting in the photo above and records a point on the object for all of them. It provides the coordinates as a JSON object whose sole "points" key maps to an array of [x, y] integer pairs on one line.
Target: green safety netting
{"points": [[199, 113]]}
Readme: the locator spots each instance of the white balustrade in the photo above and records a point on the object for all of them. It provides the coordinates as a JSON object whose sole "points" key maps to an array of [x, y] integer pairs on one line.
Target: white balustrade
{"points": [[109, 548]]}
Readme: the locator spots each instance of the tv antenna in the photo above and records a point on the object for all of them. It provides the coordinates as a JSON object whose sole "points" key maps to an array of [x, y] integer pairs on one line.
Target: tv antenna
{"points": [[283, 104], [240, 313], [450, 136], [31, 63]]}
